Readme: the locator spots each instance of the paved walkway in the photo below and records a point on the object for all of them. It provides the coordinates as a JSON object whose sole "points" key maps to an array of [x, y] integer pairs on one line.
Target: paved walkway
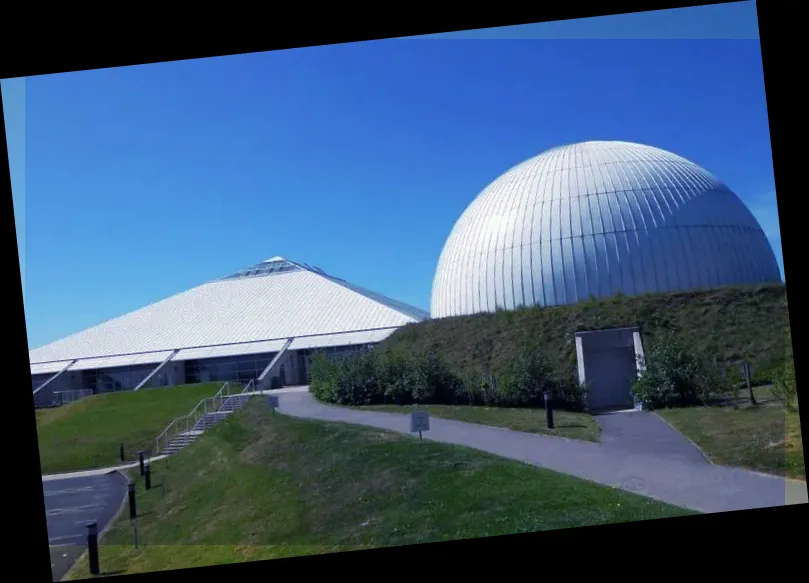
{"points": [[644, 433], [666, 470], [70, 503]]}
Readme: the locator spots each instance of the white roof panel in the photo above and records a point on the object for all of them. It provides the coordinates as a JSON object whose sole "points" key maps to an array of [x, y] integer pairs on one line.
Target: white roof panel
{"points": [[230, 350], [125, 360], [236, 310], [346, 339], [49, 367]]}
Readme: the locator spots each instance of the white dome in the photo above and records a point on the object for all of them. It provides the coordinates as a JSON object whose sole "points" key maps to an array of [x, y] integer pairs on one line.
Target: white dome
{"points": [[594, 219]]}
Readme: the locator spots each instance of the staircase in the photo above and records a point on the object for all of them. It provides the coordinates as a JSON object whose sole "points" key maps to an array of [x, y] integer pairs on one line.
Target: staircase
{"points": [[180, 441], [234, 403], [208, 412]]}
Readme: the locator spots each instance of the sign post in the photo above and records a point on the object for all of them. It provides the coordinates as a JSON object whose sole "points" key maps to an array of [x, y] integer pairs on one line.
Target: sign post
{"points": [[419, 421]]}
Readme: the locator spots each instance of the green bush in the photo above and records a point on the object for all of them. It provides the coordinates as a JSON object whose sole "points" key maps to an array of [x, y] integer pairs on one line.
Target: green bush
{"points": [[358, 382], [676, 376], [395, 377], [344, 381], [324, 374]]}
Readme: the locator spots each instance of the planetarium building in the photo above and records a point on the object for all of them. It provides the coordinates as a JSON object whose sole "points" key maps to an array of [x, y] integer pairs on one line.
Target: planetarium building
{"points": [[593, 219]]}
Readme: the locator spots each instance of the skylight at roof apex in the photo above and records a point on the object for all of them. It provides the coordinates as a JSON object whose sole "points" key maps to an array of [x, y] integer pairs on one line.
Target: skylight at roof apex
{"points": [[274, 259]]}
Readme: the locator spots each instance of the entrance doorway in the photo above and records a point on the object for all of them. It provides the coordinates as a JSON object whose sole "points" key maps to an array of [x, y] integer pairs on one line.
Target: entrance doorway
{"points": [[608, 363]]}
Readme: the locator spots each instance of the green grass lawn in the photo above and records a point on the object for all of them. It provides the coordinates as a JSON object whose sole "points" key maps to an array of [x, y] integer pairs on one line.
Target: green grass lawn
{"points": [[262, 486], [765, 438], [87, 433], [571, 425]]}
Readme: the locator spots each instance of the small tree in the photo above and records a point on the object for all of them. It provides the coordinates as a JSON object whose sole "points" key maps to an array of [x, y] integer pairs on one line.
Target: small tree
{"points": [[675, 376]]}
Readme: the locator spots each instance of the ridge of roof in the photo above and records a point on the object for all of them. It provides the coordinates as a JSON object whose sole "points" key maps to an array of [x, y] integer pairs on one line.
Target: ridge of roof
{"points": [[396, 305]]}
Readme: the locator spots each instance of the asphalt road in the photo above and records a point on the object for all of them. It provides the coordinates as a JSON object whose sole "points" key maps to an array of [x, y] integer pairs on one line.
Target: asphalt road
{"points": [[70, 504]]}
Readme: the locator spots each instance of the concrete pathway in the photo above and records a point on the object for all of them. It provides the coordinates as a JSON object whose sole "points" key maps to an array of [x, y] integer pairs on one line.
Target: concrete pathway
{"points": [[70, 503], [644, 433], [662, 468]]}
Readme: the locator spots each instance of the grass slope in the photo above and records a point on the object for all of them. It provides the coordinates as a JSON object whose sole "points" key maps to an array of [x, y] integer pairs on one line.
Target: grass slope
{"points": [[765, 438], [87, 433], [261, 486], [566, 424], [731, 323]]}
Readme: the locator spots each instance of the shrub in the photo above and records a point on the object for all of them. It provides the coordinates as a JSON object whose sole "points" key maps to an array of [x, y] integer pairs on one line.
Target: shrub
{"points": [[570, 394], [470, 390], [345, 381], [676, 376], [523, 384], [357, 383], [391, 376], [324, 375], [443, 384]]}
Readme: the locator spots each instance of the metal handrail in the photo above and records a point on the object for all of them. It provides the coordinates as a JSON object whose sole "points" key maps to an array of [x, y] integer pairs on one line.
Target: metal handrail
{"points": [[166, 436], [66, 397], [205, 406]]}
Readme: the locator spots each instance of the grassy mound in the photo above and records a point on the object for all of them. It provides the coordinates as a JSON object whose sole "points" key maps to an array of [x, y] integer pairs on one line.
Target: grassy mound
{"points": [[264, 486], [729, 324], [87, 433]]}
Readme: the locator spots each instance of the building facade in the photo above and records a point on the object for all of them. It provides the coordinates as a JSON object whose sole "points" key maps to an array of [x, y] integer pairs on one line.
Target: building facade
{"points": [[261, 324]]}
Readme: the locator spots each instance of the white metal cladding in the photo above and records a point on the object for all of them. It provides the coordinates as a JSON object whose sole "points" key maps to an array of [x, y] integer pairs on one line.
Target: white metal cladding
{"points": [[118, 361], [595, 219], [285, 304], [348, 339], [230, 350], [49, 367]]}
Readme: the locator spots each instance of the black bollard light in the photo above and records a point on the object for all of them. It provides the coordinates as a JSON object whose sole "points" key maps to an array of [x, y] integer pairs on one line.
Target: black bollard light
{"points": [[140, 461], [148, 476], [92, 547], [122, 452], [548, 410], [133, 510]]}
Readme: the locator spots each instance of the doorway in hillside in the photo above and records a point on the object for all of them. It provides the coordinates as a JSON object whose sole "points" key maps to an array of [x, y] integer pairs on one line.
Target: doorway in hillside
{"points": [[608, 364]]}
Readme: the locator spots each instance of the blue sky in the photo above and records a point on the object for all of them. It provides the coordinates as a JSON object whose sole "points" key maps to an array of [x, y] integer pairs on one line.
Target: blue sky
{"points": [[140, 182]]}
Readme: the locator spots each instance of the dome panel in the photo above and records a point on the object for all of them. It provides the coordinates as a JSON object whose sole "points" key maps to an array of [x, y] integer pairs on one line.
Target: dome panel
{"points": [[594, 219]]}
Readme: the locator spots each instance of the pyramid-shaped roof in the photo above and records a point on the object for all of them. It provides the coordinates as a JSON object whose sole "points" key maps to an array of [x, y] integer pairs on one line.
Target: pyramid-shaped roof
{"points": [[249, 311]]}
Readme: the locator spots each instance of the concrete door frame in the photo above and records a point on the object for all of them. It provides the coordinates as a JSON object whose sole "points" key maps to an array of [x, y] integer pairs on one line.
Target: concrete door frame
{"points": [[628, 337]]}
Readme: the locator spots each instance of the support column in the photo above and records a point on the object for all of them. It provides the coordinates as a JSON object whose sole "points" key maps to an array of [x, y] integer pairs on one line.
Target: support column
{"points": [[54, 377], [157, 369], [261, 381]]}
